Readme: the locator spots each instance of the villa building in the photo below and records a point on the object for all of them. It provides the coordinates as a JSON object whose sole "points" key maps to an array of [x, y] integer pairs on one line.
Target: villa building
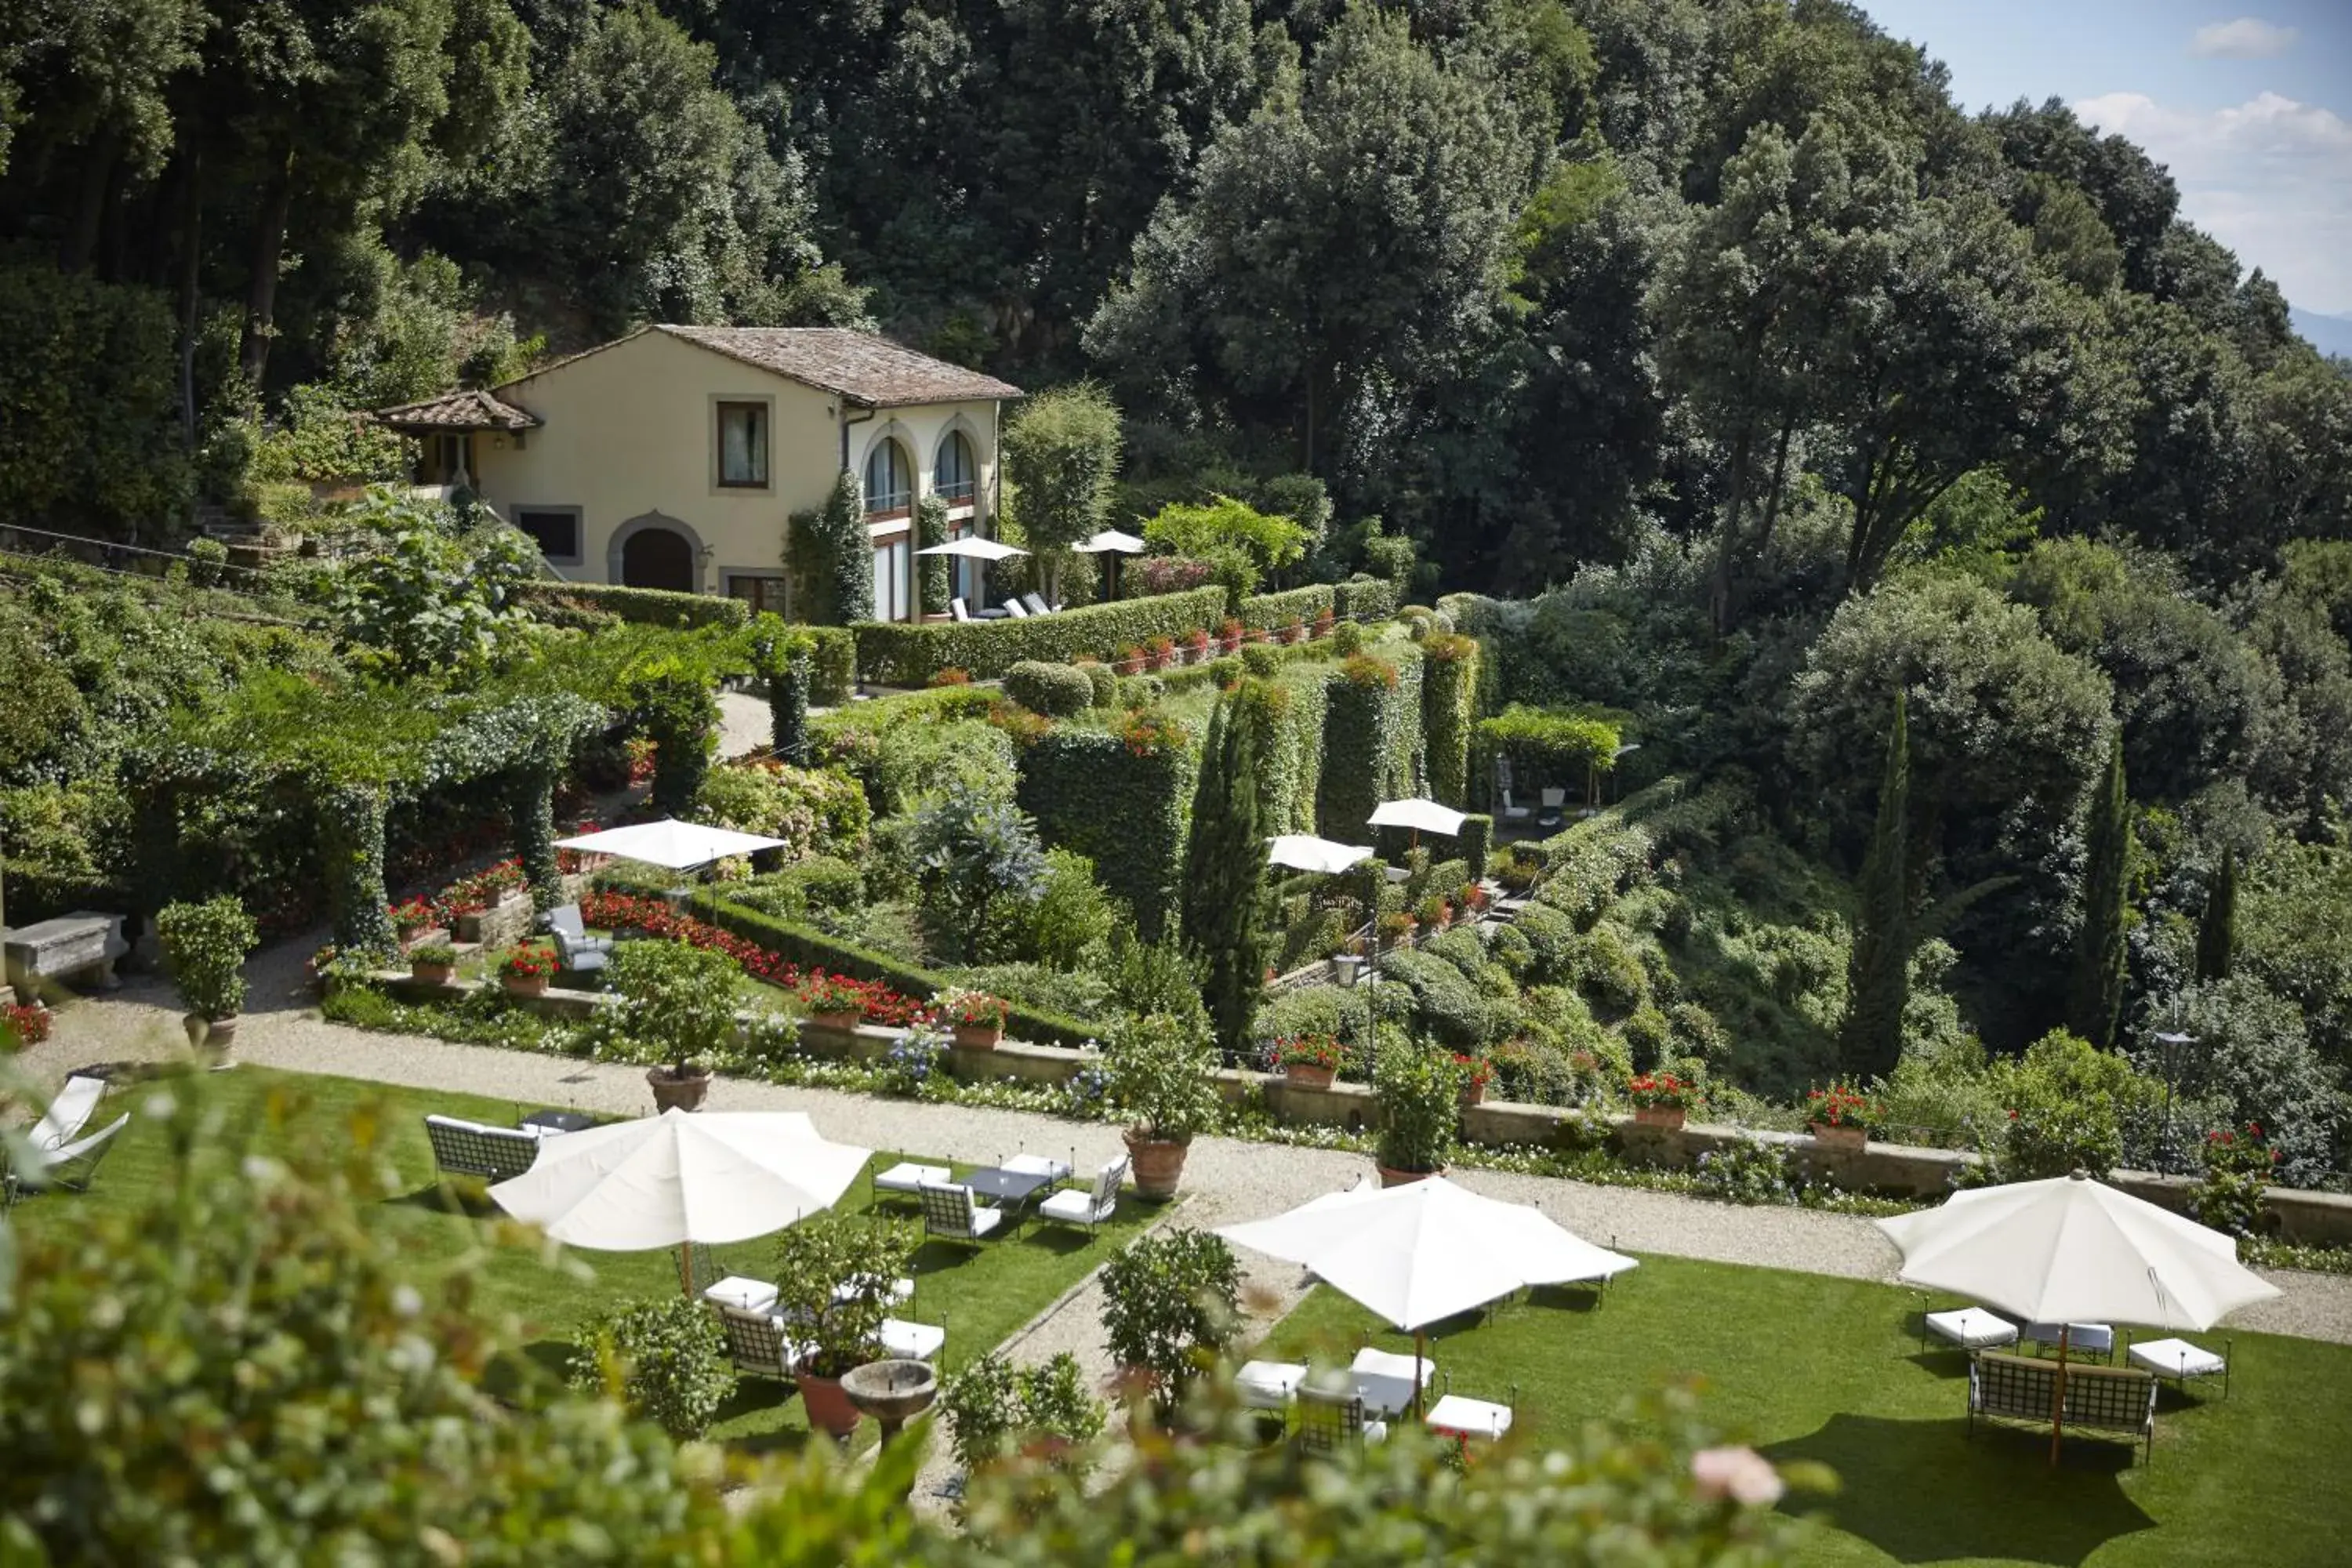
{"points": [[674, 456]]}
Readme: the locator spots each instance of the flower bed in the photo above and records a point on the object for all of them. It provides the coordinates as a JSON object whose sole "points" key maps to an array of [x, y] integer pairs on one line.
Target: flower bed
{"points": [[877, 1003]]}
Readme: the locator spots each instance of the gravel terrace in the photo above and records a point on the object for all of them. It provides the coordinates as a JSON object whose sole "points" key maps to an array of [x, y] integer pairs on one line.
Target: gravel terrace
{"points": [[1225, 1180]]}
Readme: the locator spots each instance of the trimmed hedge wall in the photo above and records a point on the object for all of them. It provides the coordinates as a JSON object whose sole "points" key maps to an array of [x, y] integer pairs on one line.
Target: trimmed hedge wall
{"points": [[1371, 744], [808, 946], [1362, 598], [650, 606], [833, 668], [895, 654], [1449, 686], [1266, 611], [1090, 794]]}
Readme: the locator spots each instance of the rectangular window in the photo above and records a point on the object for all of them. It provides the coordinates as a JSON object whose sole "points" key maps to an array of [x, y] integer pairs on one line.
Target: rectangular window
{"points": [[761, 592], [555, 530], [743, 445]]}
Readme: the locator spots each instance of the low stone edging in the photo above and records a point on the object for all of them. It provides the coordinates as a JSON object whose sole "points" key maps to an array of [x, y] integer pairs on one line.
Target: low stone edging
{"points": [[2306, 1217]]}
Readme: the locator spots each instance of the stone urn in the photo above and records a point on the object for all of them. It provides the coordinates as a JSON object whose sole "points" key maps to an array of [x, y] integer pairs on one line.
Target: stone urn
{"points": [[220, 1035], [1158, 1164], [675, 1090], [1843, 1138], [198, 1026], [893, 1392], [829, 1406]]}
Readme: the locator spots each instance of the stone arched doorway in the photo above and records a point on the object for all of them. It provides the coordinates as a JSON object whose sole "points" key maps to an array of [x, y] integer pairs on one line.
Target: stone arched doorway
{"points": [[657, 552]]}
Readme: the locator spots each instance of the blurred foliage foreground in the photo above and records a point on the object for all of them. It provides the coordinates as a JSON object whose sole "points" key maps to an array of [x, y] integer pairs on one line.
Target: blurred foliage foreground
{"points": [[240, 1369]]}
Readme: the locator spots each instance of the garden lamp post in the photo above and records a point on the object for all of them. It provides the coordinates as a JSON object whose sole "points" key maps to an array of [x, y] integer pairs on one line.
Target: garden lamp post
{"points": [[2171, 1040]]}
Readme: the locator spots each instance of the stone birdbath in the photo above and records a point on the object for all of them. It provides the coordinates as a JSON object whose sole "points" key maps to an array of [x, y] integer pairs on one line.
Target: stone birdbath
{"points": [[894, 1392]]}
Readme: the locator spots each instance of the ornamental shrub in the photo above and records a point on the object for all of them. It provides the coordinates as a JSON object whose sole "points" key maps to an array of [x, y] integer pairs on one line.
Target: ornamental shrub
{"points": [[1445, 1005], [663, 1357], [1748, 1170], [1102, 681], [1172, 1301], [1420, 1094], [1261, 661], [206, 947], [679, 1000], [971, 852], [1058, 691]]}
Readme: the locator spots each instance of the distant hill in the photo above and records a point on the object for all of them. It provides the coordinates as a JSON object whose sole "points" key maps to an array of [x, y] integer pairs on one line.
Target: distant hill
{"points": [[2328, 334]]}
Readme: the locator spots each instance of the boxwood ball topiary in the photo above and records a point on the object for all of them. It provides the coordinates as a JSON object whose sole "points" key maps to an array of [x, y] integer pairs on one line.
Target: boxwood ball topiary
{"points": [[1105, 682], [1057, 690]]}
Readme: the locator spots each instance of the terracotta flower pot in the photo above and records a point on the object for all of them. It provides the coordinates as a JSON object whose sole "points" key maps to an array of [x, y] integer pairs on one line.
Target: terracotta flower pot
{"points": [[979, 1036], [1158, 1165], [1046, 1448], [1306, 1075], [829, 1409], [844, 1022], [430, 973], [1831, 1136], [222, 1035], [1666, 1116], [1473, 1093], [524, 984], [1405, 1178], [685, 1092]]}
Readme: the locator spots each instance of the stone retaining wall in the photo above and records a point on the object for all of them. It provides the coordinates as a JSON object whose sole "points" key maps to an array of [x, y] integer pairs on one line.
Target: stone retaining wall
{"points": [[1895, 1168]]}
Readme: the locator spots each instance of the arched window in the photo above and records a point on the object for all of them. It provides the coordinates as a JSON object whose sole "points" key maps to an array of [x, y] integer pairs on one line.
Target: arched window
{"points": [[889, 478], [956, 476]]}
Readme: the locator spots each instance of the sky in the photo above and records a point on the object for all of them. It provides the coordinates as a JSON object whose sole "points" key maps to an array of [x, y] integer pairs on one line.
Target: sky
{"points": [[2250, 109]]}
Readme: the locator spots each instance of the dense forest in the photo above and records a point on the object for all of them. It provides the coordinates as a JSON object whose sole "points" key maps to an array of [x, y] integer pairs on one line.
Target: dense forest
{"points": [[1756, 380]]}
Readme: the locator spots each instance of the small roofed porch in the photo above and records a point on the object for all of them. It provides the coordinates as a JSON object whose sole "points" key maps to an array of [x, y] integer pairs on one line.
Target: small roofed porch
{"points": [[448, 426]]}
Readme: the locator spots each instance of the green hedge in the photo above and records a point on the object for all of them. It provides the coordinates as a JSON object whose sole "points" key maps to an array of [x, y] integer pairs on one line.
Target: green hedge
{"points": [[1056, 691], [1362, 598], [1477, 842], [806, 945], [834, 667], [1266, 611], [1090, 794], [648, 607], [895, 653], [1449, 685], [1371, 744]]}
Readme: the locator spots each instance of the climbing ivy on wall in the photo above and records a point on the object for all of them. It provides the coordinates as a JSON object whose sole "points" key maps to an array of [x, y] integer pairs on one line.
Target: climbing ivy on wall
{"points": [[673, 702], [351, 821], [831, 551], [931, 527]]}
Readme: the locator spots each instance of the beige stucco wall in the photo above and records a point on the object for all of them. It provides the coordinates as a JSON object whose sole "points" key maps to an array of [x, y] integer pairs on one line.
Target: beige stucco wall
{"points": [[631, 431]]}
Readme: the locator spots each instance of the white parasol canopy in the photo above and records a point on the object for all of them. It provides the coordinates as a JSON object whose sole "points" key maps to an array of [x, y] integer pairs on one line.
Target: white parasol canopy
{"points": [[1110, 540], [668, 1180], [2071, 1250], [1416, 1253], [678, 846], [1304, 852], [1421, 815], [974, 546]]}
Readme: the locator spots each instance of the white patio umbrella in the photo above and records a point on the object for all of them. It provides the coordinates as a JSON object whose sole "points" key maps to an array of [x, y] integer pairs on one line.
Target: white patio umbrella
{"points": [[1110, 540], [669, 843], [1419, 1253], [676, 1179], [1304, 852], [2069, 1250], [977, 548], [1421, 815]]}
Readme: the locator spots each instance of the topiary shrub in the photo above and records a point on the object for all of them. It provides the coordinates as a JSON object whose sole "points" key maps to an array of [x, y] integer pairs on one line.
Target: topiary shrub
{"points": [[1058, 691], [206, 947], [1420, 1095], [1445, 1003], [663, 1358], [1551, 935], [1260, 659], [1532, 1072], [1347, 639], [1103, 680]]}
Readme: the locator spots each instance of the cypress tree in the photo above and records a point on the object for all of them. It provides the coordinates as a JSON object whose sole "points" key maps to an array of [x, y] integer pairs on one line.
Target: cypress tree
{"points": [[2216, 934], [1878, 971], [1224, 875], [2098, 994]]}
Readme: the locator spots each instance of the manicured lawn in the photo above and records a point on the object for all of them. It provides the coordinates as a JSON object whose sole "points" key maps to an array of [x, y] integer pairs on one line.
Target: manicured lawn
{"points": [[980, 1293], [1832, 1371]]}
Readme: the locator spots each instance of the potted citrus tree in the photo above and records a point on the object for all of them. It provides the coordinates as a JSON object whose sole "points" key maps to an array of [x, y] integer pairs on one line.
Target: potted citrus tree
{"points": [[1172, 1300], [977, 1017], [1045, 1412], [1660, 1099], [678, 1001], [835, 1278], [833, 1001], [1160, 1072], [1308, 1061], [1841, 1117], [1418, 1090], [206, 947]]}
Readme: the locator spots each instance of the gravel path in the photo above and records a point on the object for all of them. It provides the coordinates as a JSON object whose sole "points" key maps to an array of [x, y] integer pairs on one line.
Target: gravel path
{"points": [[1225, 1180]]}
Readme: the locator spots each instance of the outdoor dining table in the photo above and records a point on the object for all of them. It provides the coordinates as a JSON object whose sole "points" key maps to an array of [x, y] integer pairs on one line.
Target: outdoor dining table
{"points": [[1013, 1189]]}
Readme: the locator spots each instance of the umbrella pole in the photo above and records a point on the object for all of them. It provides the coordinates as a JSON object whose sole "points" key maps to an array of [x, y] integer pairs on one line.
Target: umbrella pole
{"points": [[2058, 1394], [1420, 1341], [686, 1268]]}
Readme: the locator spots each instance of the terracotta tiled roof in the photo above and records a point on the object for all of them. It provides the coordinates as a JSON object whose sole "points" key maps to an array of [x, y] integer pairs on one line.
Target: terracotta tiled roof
{"points": [[468, 409], [859, 366]]}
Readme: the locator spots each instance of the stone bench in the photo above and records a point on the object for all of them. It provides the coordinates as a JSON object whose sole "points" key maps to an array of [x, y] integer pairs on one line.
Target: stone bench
{"points": [[82, 946]]}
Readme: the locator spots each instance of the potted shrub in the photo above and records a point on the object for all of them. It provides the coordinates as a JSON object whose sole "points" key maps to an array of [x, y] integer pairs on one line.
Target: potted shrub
{"points": [[1477, 1072], [1433, 912], [1660, 1099], [678, 1002], [1324, 621], [1308, 1061], [1130, 660], [665, 1358], [1161, 1073], [1160, 653], [834, 1280], [1293, 630], [977, 1017], [1841, 1117], [1229, 636], [206, 947], [1419, 1089], [1172, 1300], [1196, 647], [1395, 928], [833, 1001], [1043, 1411], [526, 969], [432, 962]]}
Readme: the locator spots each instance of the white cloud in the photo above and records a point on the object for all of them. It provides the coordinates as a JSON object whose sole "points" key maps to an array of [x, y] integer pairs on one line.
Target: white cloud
{"points": [[2247, 38], [2271, 178]]}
